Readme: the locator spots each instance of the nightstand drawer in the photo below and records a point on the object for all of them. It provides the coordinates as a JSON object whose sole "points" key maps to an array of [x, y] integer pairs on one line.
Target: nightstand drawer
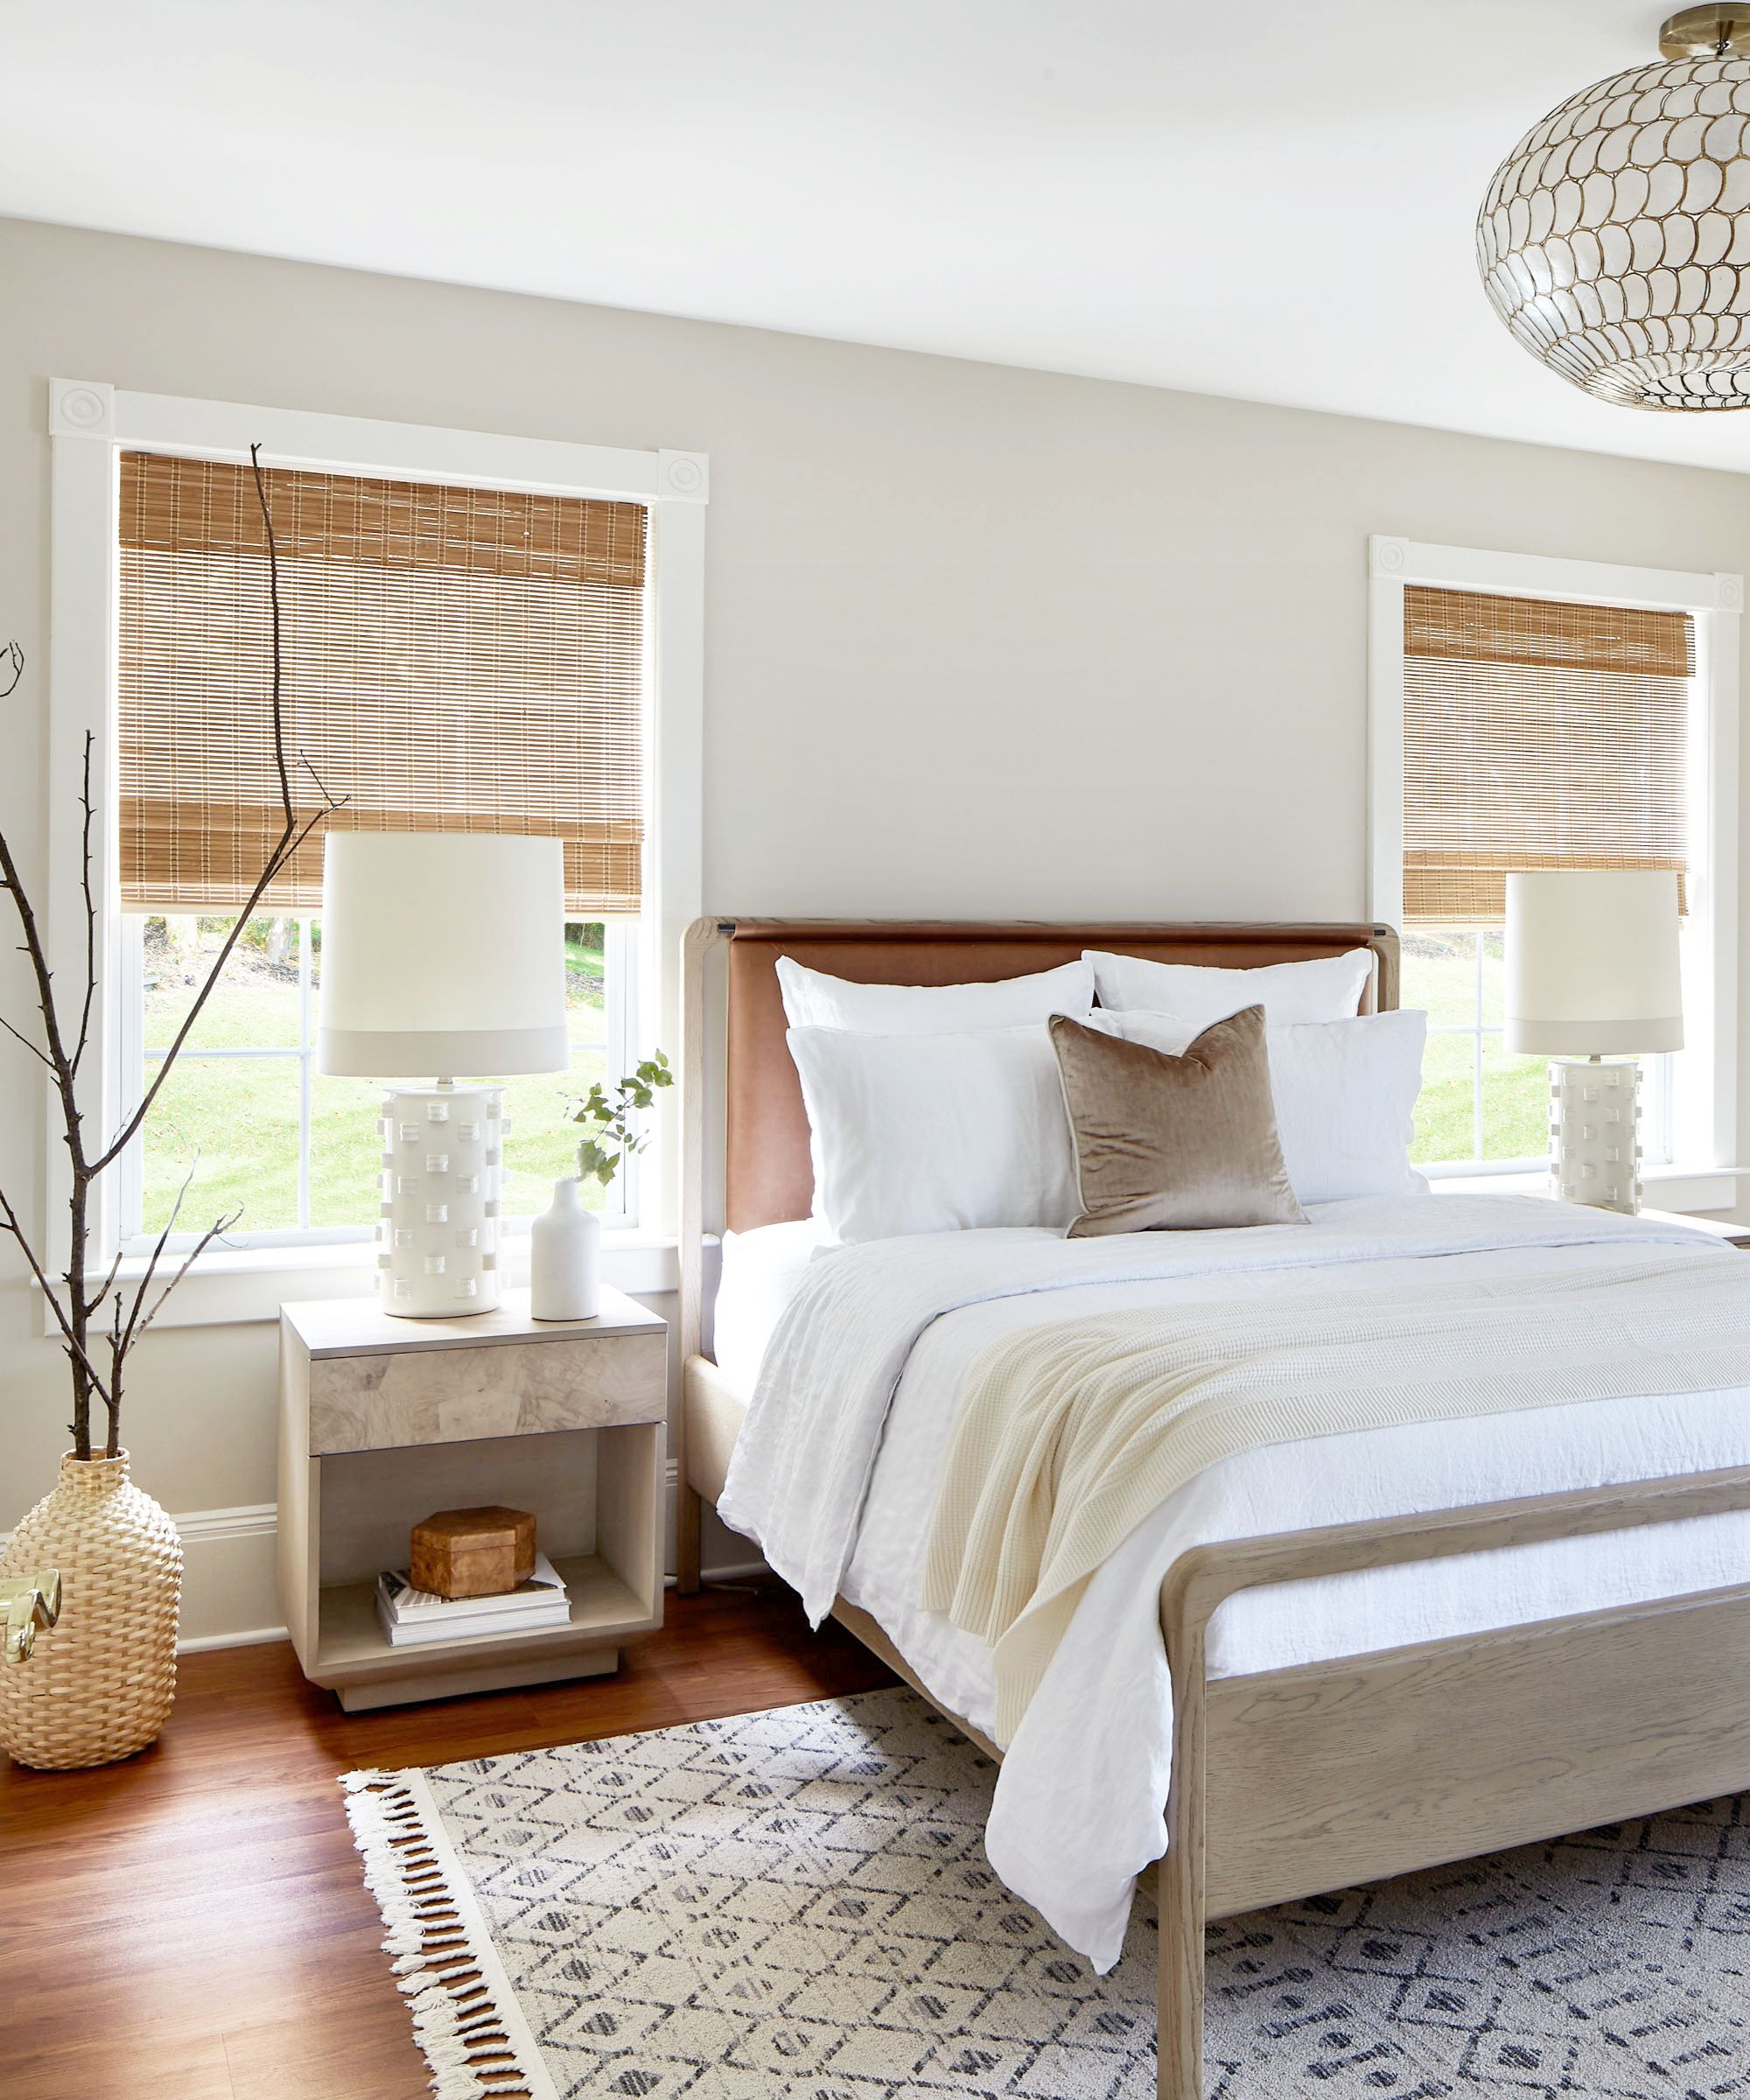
{"points": [[378, 1401]]}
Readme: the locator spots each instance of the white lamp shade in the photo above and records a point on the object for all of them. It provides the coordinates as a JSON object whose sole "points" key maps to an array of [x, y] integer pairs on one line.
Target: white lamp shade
{"points": [[442, 953], [1592, 963]]}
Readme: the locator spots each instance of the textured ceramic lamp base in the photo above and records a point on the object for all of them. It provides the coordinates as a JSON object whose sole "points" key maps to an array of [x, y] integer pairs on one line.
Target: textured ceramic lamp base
{"points": [[443, 1153], [1595, 1132]]}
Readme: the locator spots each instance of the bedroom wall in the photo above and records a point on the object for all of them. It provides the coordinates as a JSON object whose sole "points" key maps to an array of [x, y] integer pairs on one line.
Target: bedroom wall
{"points": [[980, 642]]}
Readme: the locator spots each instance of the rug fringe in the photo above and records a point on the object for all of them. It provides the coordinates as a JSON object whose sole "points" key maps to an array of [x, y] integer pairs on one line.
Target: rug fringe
{"points": [[463, 2033]]}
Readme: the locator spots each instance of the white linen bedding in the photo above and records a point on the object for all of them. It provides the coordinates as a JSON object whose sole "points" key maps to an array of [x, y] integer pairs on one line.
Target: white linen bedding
{"points": [[837, 1485]]}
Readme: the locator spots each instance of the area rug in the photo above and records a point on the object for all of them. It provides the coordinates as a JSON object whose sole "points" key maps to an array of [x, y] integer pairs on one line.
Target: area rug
{"points": [[797, 1906]]}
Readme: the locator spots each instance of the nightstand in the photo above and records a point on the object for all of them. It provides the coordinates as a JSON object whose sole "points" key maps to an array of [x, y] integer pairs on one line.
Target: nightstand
{"points": [[1734, 1236], [384, 1420]]}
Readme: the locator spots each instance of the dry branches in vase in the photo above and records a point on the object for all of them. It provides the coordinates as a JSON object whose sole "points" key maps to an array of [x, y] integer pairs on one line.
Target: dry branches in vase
{"points": [[99, 1685]]}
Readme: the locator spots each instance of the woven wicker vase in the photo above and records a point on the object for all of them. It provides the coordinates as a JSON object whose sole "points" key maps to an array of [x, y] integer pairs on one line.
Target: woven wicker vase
{"points": [[99, 1683]]}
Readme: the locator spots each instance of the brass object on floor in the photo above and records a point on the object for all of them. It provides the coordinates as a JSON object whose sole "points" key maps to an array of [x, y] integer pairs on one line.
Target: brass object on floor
{"points": [[27, 1602]]}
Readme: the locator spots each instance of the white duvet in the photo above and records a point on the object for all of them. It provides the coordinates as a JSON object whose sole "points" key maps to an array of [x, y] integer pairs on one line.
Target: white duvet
{"points": [[834, 1474]]}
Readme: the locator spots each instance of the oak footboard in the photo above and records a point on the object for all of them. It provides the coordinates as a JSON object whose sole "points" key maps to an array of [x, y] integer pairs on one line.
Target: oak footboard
{"points": [[1294, 1781]]}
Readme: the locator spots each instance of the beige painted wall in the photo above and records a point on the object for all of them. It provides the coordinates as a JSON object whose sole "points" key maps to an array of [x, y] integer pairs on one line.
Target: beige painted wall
{"points": [[980, 641]]}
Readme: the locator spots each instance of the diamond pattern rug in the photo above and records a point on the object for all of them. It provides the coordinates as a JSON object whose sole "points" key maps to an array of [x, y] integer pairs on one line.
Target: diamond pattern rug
{"points": [[797, 1906]]}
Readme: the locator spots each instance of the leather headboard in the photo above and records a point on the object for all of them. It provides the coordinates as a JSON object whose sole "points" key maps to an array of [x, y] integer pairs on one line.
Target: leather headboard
{"points": [[767, 1177]]}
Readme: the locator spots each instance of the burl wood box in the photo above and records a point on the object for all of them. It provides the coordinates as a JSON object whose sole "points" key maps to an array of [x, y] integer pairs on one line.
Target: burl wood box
{"points": [[473, 1552]]}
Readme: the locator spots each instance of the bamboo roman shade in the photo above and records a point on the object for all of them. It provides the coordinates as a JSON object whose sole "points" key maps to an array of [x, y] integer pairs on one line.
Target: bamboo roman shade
{"points": [[455, 660], [1538, 735]]}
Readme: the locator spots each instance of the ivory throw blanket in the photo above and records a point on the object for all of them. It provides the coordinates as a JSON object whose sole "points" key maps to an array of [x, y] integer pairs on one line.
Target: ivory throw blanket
{"points": [[1070, 1434], [801, 1464]]}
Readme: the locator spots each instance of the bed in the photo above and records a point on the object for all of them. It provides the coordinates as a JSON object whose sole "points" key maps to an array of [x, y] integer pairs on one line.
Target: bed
{"points": [[1342, 1694]]}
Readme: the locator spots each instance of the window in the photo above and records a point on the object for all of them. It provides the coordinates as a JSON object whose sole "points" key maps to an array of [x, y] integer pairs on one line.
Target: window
{"points": [[289, 1146], [455, 658], [1522, 722]]}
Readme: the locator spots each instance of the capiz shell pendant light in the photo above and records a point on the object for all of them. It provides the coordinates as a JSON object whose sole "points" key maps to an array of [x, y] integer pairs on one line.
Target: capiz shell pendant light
{"points": [[1614, 241]]}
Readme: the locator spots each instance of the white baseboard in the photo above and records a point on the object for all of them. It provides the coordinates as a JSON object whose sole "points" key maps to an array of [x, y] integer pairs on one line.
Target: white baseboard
{"points": [[257, 1637], [230, 1583]]}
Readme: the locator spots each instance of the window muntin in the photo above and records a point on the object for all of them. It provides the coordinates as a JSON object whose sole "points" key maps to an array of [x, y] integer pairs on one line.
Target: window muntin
{"points": [[1478, 1106]]}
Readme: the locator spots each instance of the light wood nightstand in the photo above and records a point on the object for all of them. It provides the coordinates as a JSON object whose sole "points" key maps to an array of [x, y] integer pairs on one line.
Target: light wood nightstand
{"points": [[383, 1421], [1722, 1228]]}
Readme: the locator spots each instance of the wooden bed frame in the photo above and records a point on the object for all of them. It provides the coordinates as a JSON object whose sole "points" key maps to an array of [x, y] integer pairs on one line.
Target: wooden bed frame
{"points": [[1288, 1782]]}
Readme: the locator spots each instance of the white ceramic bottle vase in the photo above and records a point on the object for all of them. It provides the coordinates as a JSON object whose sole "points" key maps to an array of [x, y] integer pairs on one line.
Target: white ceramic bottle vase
{"points": [[564, 1259]]}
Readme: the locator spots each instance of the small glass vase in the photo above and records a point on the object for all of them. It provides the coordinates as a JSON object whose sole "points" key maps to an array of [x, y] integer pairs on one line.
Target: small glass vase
{"points": [[564, 1259]]}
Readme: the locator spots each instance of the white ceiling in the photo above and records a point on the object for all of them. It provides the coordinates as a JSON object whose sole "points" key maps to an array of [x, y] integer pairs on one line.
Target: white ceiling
{"points": [[1269, 201]]}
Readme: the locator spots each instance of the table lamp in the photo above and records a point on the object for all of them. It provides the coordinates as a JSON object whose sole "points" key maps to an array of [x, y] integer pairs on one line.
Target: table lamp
{"points": [[442, 952], [1593, 973]]}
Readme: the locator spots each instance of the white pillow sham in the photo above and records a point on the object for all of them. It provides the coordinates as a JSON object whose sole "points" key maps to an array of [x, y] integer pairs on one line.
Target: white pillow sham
{"points": [[813, 1000], [935, 1133], [759, 1272], [1327, 990], [1345, 1095]]}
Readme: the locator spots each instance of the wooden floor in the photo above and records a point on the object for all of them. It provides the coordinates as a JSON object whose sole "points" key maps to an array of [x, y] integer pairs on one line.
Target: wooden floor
{"points": [[192, 1925]]}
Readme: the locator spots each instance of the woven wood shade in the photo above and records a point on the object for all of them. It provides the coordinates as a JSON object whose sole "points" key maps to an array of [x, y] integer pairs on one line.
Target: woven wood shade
{"points": [[455, 660], [1538, 735]]}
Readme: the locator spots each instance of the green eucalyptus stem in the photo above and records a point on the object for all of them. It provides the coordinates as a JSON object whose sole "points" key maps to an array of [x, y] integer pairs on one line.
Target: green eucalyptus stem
{"points": [[607, 1114]]}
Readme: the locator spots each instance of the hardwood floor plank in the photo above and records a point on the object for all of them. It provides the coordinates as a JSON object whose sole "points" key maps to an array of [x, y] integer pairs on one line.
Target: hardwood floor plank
{"points": [[207, 1893], [179, 2068]]}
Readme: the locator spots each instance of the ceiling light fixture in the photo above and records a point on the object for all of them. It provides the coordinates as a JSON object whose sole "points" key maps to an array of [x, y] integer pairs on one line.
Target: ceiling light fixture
{"points": [[1614, 241]]}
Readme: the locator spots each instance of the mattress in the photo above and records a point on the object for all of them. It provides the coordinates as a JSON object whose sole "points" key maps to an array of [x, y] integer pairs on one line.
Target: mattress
{"points": [[1079, 1810]]}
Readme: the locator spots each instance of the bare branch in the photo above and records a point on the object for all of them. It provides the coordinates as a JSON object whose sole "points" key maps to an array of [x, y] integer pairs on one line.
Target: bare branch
{"points": [[75, 1306], [282, 855], [9, 1222], [103, 1290], [273, 602], [291, 842], [34, 948], [216, 1230], [41, 1056], [90, 907], [333, 801], [124, 1342]]}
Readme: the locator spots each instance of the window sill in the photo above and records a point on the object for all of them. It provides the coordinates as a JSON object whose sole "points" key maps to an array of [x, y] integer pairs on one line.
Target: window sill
{"points": [[1697, 1189], [238, 1286]]}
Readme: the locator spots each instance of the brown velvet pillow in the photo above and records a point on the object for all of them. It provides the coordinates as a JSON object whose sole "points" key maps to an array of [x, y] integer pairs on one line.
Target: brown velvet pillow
{"points": [[1181, 1143]]}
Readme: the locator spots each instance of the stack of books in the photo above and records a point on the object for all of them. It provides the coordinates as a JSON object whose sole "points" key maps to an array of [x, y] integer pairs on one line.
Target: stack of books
{"points": [[408, 1616]]}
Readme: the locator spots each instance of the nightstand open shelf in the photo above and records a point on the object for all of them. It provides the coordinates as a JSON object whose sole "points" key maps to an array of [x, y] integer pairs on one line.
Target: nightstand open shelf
{"points": [[603, 1604], [385, 1420]]}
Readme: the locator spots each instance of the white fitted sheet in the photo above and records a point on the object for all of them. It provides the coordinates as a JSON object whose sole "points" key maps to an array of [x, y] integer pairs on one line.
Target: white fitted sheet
{"points": [[1079, 1807]]}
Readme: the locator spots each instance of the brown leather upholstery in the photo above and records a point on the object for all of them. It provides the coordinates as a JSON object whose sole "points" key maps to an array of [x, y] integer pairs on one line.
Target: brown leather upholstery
{"points": [[766, 1174]]}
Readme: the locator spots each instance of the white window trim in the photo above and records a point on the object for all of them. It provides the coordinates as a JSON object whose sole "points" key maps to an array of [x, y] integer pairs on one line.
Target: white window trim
{"points": [[90, 424], [1704, 1139]]}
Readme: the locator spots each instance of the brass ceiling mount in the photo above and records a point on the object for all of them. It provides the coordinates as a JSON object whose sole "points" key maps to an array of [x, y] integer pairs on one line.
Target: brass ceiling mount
{"points": [[1707, 32]]}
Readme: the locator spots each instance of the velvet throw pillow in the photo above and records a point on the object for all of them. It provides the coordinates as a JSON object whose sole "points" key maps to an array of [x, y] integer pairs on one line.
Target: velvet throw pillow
{"points": [[1178, 1143]]}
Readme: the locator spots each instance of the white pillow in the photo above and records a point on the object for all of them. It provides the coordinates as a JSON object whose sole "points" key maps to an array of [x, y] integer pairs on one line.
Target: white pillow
{"points": [[813, 1000], [1345, 1095], [1328, 990], [935, 1133], [759, 1272]]}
